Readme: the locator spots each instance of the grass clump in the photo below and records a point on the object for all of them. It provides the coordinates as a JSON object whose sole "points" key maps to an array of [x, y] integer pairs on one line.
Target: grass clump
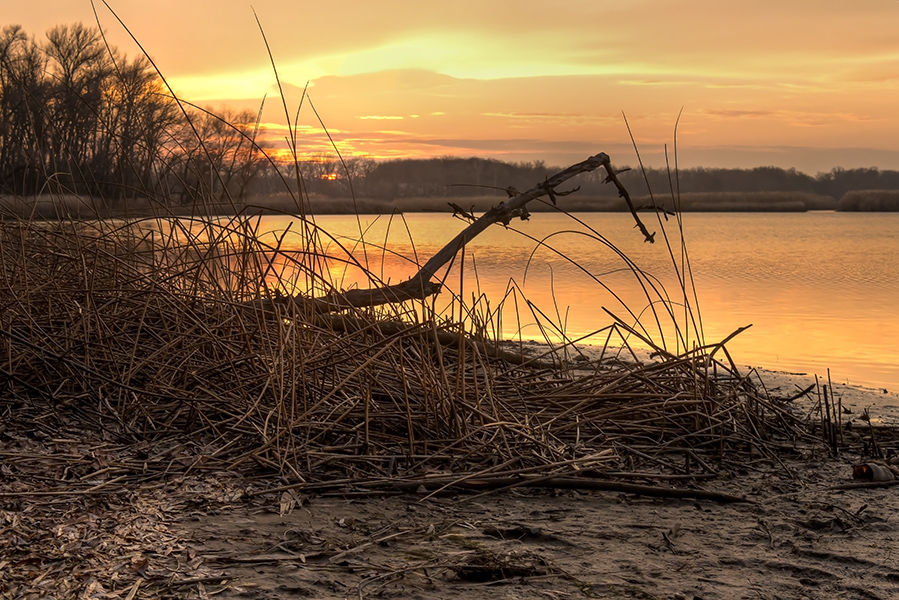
{"points": [[148, 335], [870, 201], [181, 341]]}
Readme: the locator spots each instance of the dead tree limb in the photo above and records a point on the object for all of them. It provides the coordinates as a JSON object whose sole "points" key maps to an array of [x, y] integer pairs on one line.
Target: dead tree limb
{"points": [[504, 212], [612, 176], [487, 484], [420, 285]]}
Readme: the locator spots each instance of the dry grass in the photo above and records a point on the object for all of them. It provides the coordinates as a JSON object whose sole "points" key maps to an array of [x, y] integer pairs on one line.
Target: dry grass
{"points": [[870, 201], [148, 336], [749, 202], [142, 334]]}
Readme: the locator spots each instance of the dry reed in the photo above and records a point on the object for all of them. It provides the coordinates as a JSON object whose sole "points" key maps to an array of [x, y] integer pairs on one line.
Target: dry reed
{"points": [[143, 335], [870, 201], [169, 342]]}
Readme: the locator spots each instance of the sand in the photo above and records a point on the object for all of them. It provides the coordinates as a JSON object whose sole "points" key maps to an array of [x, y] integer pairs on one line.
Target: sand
{"points": [[796, 536], [795, 539]]}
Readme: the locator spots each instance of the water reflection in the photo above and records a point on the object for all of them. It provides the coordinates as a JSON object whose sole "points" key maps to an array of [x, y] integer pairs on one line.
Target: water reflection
{"points": [[819, 288]]}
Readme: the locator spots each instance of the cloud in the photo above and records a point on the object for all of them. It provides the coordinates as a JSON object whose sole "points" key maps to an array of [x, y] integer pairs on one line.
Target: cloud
{"points": [[650, 82], [876, 70], [797, 118], [553, 117], [738, 114]]}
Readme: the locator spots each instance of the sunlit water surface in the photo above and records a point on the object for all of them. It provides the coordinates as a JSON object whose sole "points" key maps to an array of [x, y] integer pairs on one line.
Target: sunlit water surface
{"points": [[820, 289]]}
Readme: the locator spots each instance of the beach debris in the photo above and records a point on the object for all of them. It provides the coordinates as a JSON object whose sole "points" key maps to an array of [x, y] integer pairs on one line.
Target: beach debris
{"points": [[874, 472], [482, 565], [288, 503]]}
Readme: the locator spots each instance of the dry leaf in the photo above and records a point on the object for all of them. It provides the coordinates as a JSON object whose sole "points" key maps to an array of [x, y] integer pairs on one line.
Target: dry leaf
{"points": [[288, 502]]}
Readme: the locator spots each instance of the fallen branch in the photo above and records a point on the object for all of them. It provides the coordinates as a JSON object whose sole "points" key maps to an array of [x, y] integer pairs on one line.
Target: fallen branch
{"points": [[420, 286], [500, 483], [576, 483], [865, 485]]}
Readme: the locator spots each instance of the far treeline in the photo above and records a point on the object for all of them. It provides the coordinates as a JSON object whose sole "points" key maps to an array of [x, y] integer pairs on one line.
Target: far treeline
{"points": [[80, 120], [78, 117], [412, 183]]}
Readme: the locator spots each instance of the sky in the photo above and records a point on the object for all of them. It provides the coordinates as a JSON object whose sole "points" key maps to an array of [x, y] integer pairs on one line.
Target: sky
{"points": [[805, 84]]}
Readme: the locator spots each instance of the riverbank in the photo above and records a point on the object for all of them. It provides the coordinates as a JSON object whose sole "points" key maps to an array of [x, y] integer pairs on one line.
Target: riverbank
{"points": [[70, 205], [163, 437], [796, 537], [800, 533]]}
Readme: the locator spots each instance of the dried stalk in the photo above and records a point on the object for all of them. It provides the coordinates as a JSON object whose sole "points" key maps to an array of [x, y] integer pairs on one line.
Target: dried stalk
{"points": [[152, 333]]}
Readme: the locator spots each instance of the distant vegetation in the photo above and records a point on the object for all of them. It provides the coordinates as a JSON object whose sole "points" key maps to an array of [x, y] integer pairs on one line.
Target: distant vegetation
{"points": [[870, 200], [751, 202], [83, 122], [702, 189], [77, 117]]}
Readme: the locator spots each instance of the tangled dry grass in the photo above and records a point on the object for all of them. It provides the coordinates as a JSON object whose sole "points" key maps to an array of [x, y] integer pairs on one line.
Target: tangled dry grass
{"points": [[143, 378], [153, 367], [145, 335]]}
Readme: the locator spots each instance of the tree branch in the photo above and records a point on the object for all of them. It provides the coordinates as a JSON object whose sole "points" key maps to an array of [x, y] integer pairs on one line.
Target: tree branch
{"points": [[612, 176], [420, 285]]}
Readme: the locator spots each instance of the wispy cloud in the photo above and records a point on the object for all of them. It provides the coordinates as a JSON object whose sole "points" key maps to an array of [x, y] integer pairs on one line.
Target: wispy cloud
{"points": [[739, 114], [650, 82], [798, 118], [517, 84]]}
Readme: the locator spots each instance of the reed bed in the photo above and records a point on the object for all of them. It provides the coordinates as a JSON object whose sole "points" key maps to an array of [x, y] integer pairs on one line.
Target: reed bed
{"points": [[146, 338], [185, 342], [870, 201]]}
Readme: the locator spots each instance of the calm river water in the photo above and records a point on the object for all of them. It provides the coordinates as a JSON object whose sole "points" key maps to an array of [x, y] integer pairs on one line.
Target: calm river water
{"points": [[821, 289]]}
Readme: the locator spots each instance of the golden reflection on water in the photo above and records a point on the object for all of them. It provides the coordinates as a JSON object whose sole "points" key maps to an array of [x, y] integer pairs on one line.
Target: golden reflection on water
{"points": [[820, 289]]}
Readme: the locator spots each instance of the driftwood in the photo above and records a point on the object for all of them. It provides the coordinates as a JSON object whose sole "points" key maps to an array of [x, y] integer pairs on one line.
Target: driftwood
{"points": [[351, 324], [420, 286], [865, 485], [494, 484]]}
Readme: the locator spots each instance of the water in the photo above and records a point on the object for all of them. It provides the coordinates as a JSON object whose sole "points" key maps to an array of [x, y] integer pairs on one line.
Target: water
{"points": [[820, 289]]}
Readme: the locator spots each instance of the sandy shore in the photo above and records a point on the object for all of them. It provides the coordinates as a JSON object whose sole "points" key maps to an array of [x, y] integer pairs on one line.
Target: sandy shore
{"points": [[796, 536]]}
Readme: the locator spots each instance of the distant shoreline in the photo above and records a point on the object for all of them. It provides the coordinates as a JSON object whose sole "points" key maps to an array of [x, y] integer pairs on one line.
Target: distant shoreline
{"points": [[71, 206]]}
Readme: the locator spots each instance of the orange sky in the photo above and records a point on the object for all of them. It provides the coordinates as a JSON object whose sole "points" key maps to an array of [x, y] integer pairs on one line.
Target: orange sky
{"points": [[810, 84]]}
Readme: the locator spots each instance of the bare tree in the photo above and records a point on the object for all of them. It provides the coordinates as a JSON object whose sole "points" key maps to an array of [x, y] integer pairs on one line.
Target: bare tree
{"points": [[22, 88], [80, 67], [217, 155], [136, 116], [79, 115]]}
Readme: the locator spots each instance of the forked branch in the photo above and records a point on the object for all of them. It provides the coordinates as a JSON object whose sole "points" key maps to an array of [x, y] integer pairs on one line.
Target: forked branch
{"points": [[421, 286]]}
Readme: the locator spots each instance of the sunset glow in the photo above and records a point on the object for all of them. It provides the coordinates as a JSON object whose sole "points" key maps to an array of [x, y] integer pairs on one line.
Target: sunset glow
{"points": [[805, 84]]}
